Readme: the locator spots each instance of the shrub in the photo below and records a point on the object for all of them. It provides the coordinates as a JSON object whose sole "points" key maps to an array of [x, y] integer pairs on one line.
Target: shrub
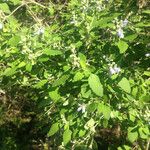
{"points": [[81, 68]]}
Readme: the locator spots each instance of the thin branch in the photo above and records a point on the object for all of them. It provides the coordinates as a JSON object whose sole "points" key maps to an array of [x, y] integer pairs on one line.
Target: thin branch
{"points": [[23, 3], [147, 146], [14, 11], [33, 15]]}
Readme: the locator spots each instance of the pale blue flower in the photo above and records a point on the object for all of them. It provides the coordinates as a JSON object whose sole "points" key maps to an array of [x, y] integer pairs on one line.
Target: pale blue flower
{"points": [[40, 31], [81, 108], [125, 22], [120, 33], [114, 70]]}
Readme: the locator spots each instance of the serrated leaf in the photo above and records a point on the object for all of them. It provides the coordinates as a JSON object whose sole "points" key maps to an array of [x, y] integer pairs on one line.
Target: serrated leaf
{"points": [[52, 52], [123, 46], [54, 128], [95, 85], [67, 136], [125, 85], [61, 80]]}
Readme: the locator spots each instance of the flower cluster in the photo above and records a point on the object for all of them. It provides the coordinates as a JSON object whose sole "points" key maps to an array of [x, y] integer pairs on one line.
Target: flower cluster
{"points": [[114, 69], [73, 56], [120, 33], [120, 28]]}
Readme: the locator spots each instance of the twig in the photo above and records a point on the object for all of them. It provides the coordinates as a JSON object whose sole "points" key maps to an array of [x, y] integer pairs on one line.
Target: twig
{"points": [[34, 2], [147, 146], [14, 11], [33, 15], [23, 3]]}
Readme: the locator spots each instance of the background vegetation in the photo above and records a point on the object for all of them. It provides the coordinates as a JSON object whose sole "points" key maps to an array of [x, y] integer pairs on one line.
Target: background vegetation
{"points": [[74, 74]]}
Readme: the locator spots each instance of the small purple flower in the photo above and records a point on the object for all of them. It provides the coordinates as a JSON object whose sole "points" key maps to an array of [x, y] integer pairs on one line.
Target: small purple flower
{"points": [[125, 22], [120, 33]]}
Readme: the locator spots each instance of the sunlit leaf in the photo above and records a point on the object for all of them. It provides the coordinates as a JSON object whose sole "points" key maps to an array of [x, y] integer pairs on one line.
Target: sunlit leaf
{"points": [[54, 128], [125, 85], [123, 46], [95, 85], [67, 136]]}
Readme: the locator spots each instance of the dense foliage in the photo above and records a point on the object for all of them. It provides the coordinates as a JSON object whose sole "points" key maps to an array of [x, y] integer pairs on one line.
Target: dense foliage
{"points": [[74, 74]]}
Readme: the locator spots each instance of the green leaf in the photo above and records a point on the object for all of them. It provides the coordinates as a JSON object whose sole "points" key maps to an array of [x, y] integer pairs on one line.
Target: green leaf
{"points": [[92, 107], [52, 52], [131, 37], [82, 60], [82, 133], [132, 135], [54, 128], [142, 24], [54, 95], [14, 40], [123, 46], [105, 110], [61, 80], [5, 8], [78, 76], [90, 124], [147, 73], [144, 132], [125, 85], [9, 71], [85, 92], [95, 85], [132, 115], [29, 67], [22, 64], [125, 147], [43, 58], [67, 136], [146, 11], [15, 2], [40, 84]]}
